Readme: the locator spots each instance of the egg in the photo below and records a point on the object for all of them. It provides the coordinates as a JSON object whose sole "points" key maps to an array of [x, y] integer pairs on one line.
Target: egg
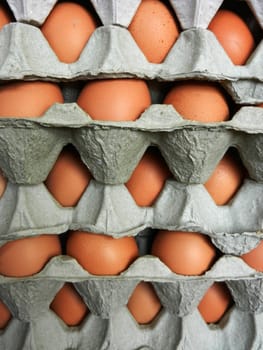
{"points": [[28, 98], [68, 29], [100, 254], [226, 179], [215, 302], [3, 183], [69, 178], [148, 178], [144, 304], [185, 253], [234, 35], [154, 29], [5, 15], [27, 256], [199, 100], [5, 315], [115, 99], [254, 258], [69, 306]]}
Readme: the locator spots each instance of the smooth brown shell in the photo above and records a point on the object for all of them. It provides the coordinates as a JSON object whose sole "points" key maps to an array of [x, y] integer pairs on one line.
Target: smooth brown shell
{"points": [[115, 99], [27, 256], [101, 254], [68, 29], [185, 253], [69, 306]]}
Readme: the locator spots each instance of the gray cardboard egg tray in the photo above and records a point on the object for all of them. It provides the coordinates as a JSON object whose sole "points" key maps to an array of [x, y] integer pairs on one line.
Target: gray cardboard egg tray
{"points": [[110, 325], [191, 55], [180, 333], [111, 150], [111, 210]]}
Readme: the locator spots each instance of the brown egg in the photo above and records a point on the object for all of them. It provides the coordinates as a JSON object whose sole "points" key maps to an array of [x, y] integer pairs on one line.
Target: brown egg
{"points": [[68, 29], [233, 34], [100, 254], [28, 99], [199, 100], [226, 179], [69, 178], [155, 29], [119, 99], [27, 256], [148, 178], [185, 253], [144, 304], [5, 15], [254, 258], [3, 184], [215, 302], [5, 315], [69, 306]]}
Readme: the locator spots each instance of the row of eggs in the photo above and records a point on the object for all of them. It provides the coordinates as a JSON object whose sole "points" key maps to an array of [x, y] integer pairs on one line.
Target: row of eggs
{"points": [[118, 99], [154, 28]]}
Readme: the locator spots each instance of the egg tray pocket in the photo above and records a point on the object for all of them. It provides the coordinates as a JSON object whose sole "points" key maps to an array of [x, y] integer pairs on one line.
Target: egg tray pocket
{"points": [[111, 150], [29, 298], [110, 209], [112, 52], [167, 332]]}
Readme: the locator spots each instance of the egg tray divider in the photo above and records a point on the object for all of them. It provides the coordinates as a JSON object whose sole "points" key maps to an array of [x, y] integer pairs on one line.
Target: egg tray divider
{"points": [[28, 211], [99, 334], [112, 52], [111, 150]]}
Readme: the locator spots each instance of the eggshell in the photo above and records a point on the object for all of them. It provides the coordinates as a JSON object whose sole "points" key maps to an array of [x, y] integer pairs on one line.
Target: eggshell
{"points": [[115, 99], [100, 254], [199, 100], [28, 99], [148, 178], [234, 35], [185, 253], [27, 256], [69, 306], [144, 304], [155, 29], [254, 258], [68, 29], [69, 178], [215, 302], [3, 184], [226, 179], [5, 15], [5, 315]]}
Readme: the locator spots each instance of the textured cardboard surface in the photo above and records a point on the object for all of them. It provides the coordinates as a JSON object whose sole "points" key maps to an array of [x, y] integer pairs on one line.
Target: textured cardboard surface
{"points": [[111, 150]]}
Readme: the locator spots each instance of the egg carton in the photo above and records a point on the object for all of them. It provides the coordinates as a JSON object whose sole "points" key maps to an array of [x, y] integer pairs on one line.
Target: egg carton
{"points": [[111, 150], [104, 295], [122, 57], [99, 334], [111, 210]]}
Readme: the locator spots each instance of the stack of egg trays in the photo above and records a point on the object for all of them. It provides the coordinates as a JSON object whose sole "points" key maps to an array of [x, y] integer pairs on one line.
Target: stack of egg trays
{"points": [[111, 150]]}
